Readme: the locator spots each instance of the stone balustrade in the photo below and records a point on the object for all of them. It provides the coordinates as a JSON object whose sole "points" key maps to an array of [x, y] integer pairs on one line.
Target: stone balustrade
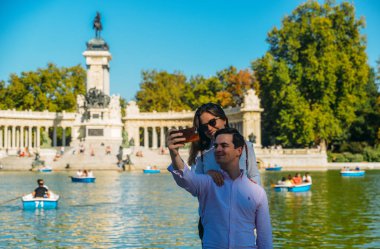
{"points": [[281, 151]]}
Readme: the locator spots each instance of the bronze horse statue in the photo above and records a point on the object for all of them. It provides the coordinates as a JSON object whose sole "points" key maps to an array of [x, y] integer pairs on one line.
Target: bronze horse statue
{"points": [[96, 98]]}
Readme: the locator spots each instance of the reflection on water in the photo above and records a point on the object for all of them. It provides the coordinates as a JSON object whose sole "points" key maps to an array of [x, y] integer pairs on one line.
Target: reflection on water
{"points": [[133, 210], [338, 213]]}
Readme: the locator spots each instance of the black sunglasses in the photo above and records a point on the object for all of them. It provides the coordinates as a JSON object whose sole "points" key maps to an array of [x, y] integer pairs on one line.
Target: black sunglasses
{"points": [[212, 122]]}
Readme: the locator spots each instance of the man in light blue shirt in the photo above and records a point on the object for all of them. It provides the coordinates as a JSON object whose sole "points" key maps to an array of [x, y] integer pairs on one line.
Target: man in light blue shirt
{"points": [[230, 212]]}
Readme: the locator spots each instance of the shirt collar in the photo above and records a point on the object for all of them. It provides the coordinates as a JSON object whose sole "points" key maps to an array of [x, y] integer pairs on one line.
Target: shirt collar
{"points": [[227, 176]]}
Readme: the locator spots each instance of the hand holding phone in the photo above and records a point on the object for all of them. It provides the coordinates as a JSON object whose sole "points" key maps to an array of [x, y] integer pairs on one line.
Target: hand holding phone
{"points": [[190, 134]]}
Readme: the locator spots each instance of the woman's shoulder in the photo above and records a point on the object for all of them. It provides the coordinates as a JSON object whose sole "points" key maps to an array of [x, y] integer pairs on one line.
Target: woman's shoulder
{"points": [[249, 144], [207, 152]]}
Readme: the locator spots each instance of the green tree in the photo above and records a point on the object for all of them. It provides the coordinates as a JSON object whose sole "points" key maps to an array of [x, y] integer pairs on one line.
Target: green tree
{"points": [[202, 90], [313, 78], [235, 85], [52, 88], [377, 104], [3, 91], [123, 105], [125, 142], [162, 91], [365, 127]]}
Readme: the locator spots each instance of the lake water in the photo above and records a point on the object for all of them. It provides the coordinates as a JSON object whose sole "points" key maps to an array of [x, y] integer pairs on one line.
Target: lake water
{"points": [[133, 210]]}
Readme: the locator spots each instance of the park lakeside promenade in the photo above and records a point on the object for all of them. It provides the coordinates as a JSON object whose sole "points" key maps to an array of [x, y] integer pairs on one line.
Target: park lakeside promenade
{"points": [[97, 158]]}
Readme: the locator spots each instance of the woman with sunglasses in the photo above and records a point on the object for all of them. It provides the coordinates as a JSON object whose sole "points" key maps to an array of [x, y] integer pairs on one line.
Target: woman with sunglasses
{"points": [[208, 119]]}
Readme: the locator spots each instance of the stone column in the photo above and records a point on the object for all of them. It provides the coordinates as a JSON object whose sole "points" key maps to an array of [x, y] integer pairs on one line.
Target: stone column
{"points": [[106, 80], [55, 136], [26, 138], [30, 144], [258, 129], [136, 136], [47, 132], [34, 138], [5, 136], [146, 137], [1, 137], [21, 136], [13, 136], [74, 134], [63, 136], [154, 138], [17, 144], [162, 137], [38, 135]]}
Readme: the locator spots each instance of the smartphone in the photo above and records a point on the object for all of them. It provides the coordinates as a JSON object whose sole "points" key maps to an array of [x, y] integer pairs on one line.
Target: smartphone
{"points": [[190, 134]]}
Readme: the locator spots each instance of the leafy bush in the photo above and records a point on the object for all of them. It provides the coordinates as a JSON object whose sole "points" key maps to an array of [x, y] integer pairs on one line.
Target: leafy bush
{"points": [[353, 147], [372, 154], [344, 157], [353, 157], [339, 158]]}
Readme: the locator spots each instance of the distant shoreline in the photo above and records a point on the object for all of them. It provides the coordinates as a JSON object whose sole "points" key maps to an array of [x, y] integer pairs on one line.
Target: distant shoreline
{"points": [[134, 168]]}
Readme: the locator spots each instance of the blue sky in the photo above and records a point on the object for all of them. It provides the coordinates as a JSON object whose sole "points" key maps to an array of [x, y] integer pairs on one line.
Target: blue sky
{"points": [[190, 36]]}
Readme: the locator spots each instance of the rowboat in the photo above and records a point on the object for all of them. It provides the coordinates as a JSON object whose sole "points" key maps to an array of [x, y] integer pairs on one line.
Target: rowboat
{"points": [[85, 179], [150, 170], [45, 169], [29, 202], [352, 173], [275, 168], [292, 188]]}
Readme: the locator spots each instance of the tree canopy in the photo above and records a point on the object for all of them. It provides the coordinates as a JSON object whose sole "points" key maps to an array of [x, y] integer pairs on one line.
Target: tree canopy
{"points": [[313, 79], [163, 91], [52, 88]]}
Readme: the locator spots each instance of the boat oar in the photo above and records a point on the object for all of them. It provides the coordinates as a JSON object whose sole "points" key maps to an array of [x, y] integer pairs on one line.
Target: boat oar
{"points": [[4, 202]]}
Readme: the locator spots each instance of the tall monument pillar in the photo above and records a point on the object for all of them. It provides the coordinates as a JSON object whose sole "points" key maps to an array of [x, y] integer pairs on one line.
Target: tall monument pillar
{"points": [[99, 115], [97, 61]]}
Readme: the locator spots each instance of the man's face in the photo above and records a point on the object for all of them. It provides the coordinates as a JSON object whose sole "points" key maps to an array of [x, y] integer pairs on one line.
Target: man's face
{"points": [[225, 153]]}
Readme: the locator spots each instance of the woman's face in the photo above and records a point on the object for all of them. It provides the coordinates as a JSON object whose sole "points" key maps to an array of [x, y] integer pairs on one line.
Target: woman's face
{"points": [[209, 124]]}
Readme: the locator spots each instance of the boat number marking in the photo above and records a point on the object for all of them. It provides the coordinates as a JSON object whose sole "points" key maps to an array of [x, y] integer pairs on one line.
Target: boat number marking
{"points": [[39, 204]]}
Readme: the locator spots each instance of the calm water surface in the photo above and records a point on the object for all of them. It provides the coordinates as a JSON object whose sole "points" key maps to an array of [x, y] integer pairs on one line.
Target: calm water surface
{"points": [[133, 210]]}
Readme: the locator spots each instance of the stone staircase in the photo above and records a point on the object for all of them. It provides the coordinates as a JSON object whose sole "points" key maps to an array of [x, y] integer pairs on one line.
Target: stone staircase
{"points": [[94, 157], [99, 161], [16, 163]]}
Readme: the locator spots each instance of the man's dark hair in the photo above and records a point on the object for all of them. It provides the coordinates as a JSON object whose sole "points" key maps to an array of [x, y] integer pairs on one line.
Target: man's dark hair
{"points": [[39, 180], [237, 138]]}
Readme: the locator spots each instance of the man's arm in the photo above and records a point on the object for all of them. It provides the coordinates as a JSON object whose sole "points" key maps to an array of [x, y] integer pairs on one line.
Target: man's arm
{"points": [[173, 141], [263, 225], [189, 180], [177, 161]]}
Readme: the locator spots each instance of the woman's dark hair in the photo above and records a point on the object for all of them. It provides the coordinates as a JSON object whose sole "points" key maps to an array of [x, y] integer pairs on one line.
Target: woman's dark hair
{"points": [[204, 142]]}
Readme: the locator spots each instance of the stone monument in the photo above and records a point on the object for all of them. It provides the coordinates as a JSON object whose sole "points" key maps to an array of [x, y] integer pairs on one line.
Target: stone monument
{"points": [[99, 115]]}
